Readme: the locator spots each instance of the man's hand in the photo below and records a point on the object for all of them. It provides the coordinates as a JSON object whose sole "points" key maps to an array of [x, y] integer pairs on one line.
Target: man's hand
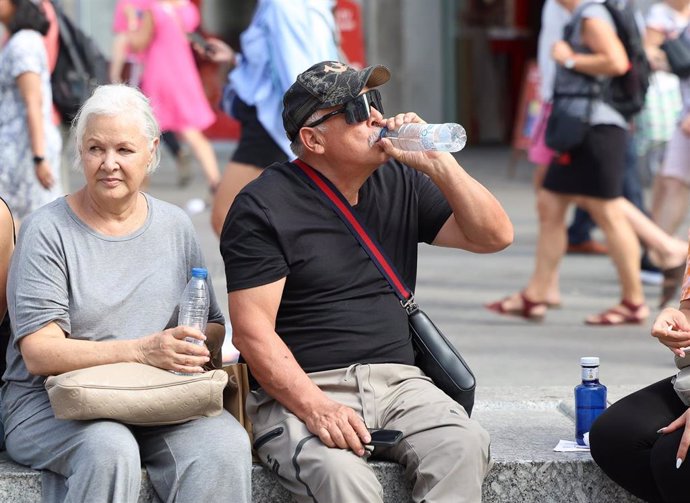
{"points": [[339, 426], [168, 350], [419, 160]]}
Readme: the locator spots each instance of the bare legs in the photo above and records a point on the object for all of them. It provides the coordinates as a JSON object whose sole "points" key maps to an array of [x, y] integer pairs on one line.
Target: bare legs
{"points": [[666, 251], [669, 203], [235, 177], [611, 217], [203, 151]]}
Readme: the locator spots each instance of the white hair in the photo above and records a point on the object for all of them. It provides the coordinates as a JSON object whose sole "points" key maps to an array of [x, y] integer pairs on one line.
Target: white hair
{"points": [[296, 145], [114, 100]]}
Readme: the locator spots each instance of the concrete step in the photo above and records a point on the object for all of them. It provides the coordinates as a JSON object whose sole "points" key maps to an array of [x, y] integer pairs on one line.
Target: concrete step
{"points": [[525, 424]]}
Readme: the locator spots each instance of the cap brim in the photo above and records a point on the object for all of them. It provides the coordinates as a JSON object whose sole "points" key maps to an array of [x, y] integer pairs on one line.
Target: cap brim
{"points": [[379, 75]]}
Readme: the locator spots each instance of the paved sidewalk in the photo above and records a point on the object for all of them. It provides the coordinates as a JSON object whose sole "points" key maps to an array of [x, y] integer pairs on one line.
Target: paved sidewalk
{"points": [[453, 286]]}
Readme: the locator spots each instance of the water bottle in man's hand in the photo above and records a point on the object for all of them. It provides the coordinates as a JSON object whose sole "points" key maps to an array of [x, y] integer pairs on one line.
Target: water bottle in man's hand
{"points": [[447, 137]]}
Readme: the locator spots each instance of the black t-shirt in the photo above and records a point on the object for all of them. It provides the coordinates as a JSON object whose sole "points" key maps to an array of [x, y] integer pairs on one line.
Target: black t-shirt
{"points": [[336, 309]]}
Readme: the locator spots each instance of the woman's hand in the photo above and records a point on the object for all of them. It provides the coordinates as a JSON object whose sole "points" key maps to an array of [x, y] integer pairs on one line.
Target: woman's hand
{"points": [[561, 51], [217, 51], [681, 422], [672, 329], [44, 174], [168, 350]]}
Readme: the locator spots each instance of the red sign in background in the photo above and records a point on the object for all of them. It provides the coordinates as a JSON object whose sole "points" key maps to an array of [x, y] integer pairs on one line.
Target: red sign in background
{"points": [[349, 22]]}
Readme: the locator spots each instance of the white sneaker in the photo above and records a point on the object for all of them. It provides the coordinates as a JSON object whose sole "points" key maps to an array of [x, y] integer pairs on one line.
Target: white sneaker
{"points": [[651, 277]]}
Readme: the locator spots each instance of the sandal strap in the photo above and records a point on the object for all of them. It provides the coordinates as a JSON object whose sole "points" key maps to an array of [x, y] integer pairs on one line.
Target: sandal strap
{"points": [[632, 307]]}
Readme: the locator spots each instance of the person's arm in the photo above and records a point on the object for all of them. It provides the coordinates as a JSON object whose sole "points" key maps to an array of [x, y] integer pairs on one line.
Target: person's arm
{"points": [[678, 335], [140, 37], [608, 54], [297, 40], [49, 352], [6, 249], [29, 84], [653, 40], [253, 313], [478, 223], [118, 57]]}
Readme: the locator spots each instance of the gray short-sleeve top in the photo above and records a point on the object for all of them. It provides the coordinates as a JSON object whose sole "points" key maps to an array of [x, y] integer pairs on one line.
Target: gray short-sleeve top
{"points": [[572, 81], [95, 287]]}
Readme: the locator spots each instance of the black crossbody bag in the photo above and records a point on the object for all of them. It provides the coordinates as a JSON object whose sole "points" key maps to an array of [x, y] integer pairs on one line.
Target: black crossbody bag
{"points": [[434, 353]]}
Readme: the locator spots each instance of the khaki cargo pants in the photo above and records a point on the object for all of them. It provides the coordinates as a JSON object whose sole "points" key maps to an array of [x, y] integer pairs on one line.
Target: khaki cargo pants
{"points": [[445, 453]]}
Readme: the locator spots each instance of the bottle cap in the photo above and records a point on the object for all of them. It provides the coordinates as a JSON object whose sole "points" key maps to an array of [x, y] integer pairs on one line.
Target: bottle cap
{"points": [[589, 361], [199, 272]]}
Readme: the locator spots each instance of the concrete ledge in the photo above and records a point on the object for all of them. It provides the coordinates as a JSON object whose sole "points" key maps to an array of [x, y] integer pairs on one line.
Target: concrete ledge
{"points": [[525, 425]]}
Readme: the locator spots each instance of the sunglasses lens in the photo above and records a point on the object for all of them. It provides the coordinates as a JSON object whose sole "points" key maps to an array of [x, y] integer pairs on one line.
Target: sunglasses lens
{"points": [[375, 100], [359, 109]]}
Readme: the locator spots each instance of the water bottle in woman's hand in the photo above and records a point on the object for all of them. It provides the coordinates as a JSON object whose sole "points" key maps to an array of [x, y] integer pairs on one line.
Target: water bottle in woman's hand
{"points": [[195, 303]]}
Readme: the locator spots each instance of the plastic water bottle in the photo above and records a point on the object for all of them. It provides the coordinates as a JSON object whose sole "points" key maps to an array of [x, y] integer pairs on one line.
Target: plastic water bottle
{"points": [[448, 137], [590, 399], [194, 304]]}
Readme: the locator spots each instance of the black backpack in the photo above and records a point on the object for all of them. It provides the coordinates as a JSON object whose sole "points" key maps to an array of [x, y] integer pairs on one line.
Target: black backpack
{"points": [[626, 93], [80, 67]]}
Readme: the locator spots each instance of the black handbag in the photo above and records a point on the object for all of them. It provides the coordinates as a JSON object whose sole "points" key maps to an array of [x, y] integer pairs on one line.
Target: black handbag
{"points": [[678, 55], [564, 131], [435, 355], [565, 128]]}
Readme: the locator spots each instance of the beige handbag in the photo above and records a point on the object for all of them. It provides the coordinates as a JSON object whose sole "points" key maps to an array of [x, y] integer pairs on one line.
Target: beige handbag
{"points": [[136, 394]]}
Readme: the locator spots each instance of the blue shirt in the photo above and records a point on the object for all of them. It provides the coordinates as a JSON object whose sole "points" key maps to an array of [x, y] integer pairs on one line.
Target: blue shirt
{"points": [[284, 38]]}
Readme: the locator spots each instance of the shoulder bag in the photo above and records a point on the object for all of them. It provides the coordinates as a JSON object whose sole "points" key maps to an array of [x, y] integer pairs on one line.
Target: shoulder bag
{"points": [[434, 353]]}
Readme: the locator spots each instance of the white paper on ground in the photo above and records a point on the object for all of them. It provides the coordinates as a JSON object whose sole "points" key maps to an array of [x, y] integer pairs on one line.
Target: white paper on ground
{"points": [[570, 446]]}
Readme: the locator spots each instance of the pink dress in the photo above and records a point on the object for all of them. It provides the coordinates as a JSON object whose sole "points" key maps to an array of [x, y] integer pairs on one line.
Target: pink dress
{"points": [[170, 77]]}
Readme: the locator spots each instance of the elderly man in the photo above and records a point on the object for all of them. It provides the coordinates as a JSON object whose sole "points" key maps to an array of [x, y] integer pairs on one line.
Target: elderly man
{"points": [[326, 339]]}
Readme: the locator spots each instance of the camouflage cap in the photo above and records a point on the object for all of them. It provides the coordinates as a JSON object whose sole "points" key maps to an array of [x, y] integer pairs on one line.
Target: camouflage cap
{"points": [[326, 84]]}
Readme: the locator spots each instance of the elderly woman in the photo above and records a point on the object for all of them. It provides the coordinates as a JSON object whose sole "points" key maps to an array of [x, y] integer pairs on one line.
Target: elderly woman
{"points": [[6, 248], [30, 143], [96, 279]]}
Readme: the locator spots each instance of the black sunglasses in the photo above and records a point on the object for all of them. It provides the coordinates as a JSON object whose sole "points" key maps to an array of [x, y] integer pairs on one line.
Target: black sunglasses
{"points": [[357, 110]]}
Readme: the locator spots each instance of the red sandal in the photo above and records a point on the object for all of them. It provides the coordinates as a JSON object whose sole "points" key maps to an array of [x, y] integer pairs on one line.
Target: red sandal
{"points": [[530, 310], [626, 313]]}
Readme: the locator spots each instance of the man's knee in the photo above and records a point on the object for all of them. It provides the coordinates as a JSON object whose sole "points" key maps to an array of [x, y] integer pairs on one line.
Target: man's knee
{"points": [[343, 476]]}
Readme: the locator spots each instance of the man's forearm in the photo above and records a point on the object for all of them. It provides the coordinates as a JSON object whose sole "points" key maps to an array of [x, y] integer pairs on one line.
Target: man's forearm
{"points": [[276, 370], [477, 213]]}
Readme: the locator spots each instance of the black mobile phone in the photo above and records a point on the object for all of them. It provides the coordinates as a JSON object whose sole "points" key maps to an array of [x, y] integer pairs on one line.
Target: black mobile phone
{"points": [[385, 438], [198, 39]]}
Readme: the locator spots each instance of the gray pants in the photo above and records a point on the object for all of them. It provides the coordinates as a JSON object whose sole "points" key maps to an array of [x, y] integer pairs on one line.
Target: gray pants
{"points": [[445, 453], [203, 460]]}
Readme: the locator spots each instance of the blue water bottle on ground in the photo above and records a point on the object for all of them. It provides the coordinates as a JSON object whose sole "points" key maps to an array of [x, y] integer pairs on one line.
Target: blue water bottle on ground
{"points": [[195, 303], [590, 399]]}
